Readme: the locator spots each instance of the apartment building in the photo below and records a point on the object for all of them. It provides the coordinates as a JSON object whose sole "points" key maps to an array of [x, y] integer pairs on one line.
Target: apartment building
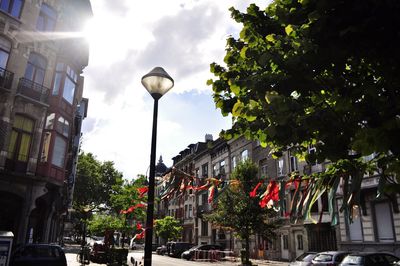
{"points": [[376, 221], [218, 158], [41, 111]]}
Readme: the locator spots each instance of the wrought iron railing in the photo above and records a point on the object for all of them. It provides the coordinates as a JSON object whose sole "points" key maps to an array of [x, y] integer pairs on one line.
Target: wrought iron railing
{"points": [[6, 78], [33, 90]]}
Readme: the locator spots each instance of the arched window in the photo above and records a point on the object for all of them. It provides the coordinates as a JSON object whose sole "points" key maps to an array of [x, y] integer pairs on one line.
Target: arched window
{"points": [[5, 48], [47, 18], [21, 138], [36, 68]]}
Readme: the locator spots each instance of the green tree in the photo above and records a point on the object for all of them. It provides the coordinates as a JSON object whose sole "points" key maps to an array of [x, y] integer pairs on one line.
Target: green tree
{"points": [[316, 72], [168, 228], [95, 183], [241, 213], [100, 223]]}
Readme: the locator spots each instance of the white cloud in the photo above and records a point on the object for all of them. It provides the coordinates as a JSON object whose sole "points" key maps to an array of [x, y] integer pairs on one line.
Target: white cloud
{"points": [[129, 38]]}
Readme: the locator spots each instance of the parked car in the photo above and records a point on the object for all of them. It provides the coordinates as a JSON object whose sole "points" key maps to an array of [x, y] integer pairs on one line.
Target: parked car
{"points": [[154, 246], [175, 249], [38, 255], [304, 259], [370, 258], [161, 250], [331, 258], [201, 251]]}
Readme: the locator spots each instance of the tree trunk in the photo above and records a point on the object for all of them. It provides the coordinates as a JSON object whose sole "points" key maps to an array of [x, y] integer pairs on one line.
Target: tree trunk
{"points": [[246, 257]]}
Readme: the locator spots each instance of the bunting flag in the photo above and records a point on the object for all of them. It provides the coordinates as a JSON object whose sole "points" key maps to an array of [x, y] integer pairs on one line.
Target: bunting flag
{"points": [[142, 191], [306, 192], [270, 195], [139, 226], [140, 235], [254, 191], [211, 192], [132, 208]]}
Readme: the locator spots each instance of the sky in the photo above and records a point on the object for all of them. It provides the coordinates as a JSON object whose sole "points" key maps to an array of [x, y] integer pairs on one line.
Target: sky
{"points": [[129, 38]]}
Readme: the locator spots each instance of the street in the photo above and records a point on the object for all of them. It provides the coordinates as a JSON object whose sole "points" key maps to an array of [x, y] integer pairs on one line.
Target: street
{"points": [[158, 260]]}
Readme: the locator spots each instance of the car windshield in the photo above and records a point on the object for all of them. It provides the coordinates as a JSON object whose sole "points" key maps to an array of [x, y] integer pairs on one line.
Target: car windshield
{"points": [[323, 257], [351, 259]]}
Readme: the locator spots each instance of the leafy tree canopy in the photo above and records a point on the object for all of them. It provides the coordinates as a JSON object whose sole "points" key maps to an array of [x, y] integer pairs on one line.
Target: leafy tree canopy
{"points": [[168, 228], [95, 183], [100, 223], [316, 72], [128, 195], [238, 211]]}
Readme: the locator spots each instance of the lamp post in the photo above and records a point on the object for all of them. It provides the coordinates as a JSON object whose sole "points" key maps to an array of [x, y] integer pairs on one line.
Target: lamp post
{"points": [[157, 82]]}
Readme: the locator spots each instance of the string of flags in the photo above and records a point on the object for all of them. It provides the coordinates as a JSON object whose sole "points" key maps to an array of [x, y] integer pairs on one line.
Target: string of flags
{"points": [[271, 193]]}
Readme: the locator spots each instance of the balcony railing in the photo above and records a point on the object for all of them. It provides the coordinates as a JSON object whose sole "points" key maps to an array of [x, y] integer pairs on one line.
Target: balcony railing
{"points": [[33, 90], [6, 78]]}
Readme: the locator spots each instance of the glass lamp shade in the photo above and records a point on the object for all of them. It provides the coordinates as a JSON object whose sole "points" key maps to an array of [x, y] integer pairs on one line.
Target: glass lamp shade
{"points": [[157, 82]]}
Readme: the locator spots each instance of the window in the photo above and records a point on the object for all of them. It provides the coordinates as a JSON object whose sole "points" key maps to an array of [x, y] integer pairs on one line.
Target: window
{"points": [[355, 229], [280, 166], [12, 7], [65, 80], [300, 242], [293, 163], [204, 170], [197, 172], [36, 68], [5, 48], [384, 222], [234, 162], [222, 167], [245, 155], [263, 165], [204, 199], [60, 146], [186, 212], [285, 239], [21, 138], [45, 147], [204, 228], [312, 151], [62, 126], [215, 170], [50, 121], [47, 18], [190, 211]]}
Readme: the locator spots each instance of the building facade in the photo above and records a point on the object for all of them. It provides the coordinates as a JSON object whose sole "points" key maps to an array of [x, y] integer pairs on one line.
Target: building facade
{"points": [[375, 227], [41, 111]]}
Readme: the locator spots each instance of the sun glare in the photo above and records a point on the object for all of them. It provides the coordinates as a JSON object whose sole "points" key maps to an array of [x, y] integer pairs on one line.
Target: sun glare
{"points": [[107, 39]]}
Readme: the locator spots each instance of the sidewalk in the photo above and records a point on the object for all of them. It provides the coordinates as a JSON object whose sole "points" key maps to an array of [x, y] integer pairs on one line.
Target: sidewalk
{"points": [[269, 263]]}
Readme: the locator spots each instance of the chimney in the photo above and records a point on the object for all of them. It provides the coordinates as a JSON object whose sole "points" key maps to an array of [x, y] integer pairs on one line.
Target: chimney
{"points": [[209, 137]]}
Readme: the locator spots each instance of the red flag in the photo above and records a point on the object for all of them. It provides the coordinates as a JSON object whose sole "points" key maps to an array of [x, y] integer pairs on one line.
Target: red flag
{"points": [[211, 192], [139, 226], [271, 194], [142, 191], [141, 235], [253, 193]]}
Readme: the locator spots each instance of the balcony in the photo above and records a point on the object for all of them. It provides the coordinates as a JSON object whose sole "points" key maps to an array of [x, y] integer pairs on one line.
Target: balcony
{"points": [[6, 78], [33, 90]]}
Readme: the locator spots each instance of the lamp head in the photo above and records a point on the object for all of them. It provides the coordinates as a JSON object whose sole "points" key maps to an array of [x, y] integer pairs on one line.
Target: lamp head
{"points": [[157, 82]]}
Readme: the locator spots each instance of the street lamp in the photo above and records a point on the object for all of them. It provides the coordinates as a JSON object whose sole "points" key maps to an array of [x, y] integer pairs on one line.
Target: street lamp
{"points": [[157, 82]]}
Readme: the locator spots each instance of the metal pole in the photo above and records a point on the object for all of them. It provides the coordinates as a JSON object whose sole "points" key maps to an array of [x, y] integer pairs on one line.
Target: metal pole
{"points": [[150, 193]]}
